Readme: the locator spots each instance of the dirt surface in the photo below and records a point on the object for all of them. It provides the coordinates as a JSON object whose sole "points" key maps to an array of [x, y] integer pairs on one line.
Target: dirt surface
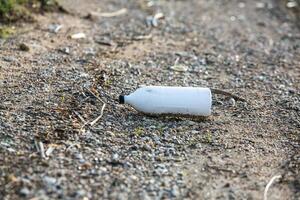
{"points": [[48, 93]]}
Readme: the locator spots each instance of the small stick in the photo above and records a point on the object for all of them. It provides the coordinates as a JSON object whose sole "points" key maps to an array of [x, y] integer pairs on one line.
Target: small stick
{"points": [[82, 120], [72, 145], [36, 145], [142, 37], [42, 149], [176, 61], [97, 119], [269, 185], [80, 117], [102, 109], [49, 151], [112, 14], [95, 96], [217, 91]]}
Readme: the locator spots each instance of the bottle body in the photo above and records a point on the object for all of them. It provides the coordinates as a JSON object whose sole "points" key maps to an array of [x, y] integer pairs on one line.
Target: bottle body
{"points": [[171, 100]]}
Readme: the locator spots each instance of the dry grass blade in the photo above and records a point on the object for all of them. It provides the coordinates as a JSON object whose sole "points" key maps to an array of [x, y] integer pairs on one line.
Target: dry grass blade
{"points": [[222, 92], [71, 146], [95, 96], [80, 117], [142, 37], [100, 116], [269, 185], [49, 151], [110, 14], [42, 149], [102, 109], [36, 145]]}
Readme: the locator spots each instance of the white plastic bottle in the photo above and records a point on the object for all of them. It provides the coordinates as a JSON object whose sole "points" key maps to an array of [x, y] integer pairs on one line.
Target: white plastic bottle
{"points": [[170, 100]]}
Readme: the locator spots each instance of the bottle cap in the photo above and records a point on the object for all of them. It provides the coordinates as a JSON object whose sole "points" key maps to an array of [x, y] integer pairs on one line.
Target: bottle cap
{"points": [[121, 99]]}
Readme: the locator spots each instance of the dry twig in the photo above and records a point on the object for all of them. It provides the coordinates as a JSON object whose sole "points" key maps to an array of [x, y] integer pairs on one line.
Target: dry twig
{"points": [[40, 148], [109, 14], [71, 146], [80, 117], [92, 123], [269, 185], [222, 92], [97, 119], [49, 151], [142, 37]]}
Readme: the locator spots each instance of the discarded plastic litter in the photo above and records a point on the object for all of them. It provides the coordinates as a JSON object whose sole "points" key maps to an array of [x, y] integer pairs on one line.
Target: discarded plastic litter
{"points": [[170, 100]]}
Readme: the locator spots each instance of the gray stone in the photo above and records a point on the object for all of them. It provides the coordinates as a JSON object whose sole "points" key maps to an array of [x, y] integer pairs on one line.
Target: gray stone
{"points": [[25, 192], [78, 156], [232, 102], [49, 180], [80, 193], [9, 59], [175, 191], [115, 157]]}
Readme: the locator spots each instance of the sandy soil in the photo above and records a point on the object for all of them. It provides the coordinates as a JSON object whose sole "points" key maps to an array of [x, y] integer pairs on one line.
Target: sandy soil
{"points": [[249, 48]]}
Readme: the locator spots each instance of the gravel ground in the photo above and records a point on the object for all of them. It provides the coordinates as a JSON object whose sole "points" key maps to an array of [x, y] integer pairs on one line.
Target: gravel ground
{"points": [[52, 89]]}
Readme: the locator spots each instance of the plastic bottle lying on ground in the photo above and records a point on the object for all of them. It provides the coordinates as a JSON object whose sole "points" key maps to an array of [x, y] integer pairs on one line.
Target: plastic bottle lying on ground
{"points": [[194, 101]]}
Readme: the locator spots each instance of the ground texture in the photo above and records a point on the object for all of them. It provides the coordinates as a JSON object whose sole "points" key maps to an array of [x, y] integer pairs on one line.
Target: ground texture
{"points": [[249, 48]]}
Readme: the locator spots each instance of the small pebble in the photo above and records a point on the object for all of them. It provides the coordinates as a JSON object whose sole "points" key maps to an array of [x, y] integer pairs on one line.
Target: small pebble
{"points": [[291, 4], [54, 28], [145, 196], [115, 157], [24, 47], [241, 5], [90, 52], [78, 156], [146, 147], [260, 5], [9, 59], [108, 123], [65, 50], [175, 191], [232, 102], [24, 192], [80, 193], [49, 180]]}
